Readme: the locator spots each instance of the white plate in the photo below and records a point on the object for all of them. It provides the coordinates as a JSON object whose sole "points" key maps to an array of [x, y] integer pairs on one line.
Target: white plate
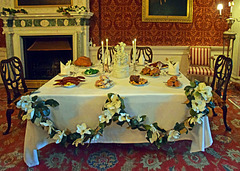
{"points": [[173, 74], [70, 86]]}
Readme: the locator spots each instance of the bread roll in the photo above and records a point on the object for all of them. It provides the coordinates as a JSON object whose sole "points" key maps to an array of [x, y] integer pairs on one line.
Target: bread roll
{"points": [[83, 61]]}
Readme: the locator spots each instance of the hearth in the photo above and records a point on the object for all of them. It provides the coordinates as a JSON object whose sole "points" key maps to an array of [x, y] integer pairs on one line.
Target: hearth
{"points": [[42, 55]]}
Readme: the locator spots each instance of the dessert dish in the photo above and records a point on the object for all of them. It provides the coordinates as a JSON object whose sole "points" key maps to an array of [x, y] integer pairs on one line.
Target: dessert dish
{"points": [[136, 80], [83, 61], [159, 64], [174, 82], [91, 72], [152, 72], [121, 66], [104, 82], [70, 81]]}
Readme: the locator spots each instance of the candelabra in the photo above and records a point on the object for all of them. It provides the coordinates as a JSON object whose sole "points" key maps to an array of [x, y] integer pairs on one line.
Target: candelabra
{"points": [[228, 36]]}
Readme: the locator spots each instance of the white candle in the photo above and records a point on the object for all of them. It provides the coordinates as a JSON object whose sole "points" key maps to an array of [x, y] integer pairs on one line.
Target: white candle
{"points": [[135, 47], [133, 44], [106, 60], [220, 7], [103, 60]]}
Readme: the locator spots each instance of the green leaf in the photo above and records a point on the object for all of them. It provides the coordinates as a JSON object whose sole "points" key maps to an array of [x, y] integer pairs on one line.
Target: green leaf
{"points": [[178, 126], [141, 129], [102, 125], [51, 102], [121, 123], [147, 127], [37, 112], [45, 111], [192, 84], [149, 134], [34, 98], [39, 104], [211, 104], [122, 103], [193, 113], [115, 118]]}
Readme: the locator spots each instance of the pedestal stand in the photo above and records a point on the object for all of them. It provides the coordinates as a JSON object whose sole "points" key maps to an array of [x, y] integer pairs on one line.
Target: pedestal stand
{"points": [[229, 37]]}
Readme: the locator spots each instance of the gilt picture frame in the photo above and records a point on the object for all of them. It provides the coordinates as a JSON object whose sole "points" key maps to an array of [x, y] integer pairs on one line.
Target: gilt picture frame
{"points": [[42, 3], [167, 11]]}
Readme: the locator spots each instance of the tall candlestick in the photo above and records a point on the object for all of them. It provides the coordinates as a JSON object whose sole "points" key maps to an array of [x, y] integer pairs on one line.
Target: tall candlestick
{"points": [[103, 59], [133, 44]]}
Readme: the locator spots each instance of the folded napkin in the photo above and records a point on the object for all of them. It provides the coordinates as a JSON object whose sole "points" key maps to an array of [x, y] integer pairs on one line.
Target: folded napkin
{"points": [[65, 69], [141, 60]]}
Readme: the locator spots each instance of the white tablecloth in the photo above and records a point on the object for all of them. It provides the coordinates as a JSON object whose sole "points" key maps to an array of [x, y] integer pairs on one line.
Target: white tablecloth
{"points": [[84, 103]]}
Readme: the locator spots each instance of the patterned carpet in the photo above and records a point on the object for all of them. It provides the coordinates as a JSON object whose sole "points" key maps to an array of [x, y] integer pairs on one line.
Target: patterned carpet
{"points": [[224, 154]]}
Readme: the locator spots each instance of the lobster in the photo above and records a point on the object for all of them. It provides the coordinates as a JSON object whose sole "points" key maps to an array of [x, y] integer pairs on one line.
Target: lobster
{"points": [[73, 80]]}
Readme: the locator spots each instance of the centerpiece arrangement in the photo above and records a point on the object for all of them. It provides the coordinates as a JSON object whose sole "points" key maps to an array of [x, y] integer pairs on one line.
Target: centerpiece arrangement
{"points": [[120, 66]]}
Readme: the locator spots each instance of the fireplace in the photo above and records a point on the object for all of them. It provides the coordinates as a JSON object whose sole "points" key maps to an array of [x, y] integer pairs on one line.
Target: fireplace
{"points": [[42, 55], [22, 31]]}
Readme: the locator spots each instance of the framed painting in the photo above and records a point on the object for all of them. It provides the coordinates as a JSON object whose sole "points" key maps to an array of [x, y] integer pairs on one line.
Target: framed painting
{"points": [[167, 11], [37, 3]]}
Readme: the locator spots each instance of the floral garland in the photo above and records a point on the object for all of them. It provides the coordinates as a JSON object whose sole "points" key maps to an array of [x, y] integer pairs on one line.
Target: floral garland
{"points": [[12, 11], [67, 10], [199, 101]]}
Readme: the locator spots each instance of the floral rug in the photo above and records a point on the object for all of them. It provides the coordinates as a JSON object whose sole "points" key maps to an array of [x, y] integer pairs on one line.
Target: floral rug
{"points": [[224, 154]]}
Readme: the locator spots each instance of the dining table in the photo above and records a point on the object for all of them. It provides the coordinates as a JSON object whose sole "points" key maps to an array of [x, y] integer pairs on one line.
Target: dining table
{"points": [[83, 104]]}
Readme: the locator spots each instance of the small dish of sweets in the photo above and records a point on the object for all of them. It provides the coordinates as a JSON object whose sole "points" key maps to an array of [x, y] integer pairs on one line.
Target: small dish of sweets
{"points": [[154, 72], [174, 82], [137, 81], [104, 82]]}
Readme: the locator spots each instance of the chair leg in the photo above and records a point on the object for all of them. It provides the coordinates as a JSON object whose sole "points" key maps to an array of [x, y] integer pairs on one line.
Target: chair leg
{"points": [[8, 114], [214, 113], [224, 108]]}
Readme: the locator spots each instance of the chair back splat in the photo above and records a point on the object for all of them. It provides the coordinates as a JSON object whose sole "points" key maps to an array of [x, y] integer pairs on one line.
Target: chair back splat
{"points": [[222, 75], [13, 79], [112, 51], [146, 52]]}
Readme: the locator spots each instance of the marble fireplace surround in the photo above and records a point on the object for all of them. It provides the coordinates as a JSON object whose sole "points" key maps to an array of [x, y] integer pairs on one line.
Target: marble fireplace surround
{"points": [[45, 21]]}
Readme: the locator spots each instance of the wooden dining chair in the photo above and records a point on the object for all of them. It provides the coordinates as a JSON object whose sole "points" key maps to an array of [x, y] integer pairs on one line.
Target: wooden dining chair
{"points": [[200, 62], [12, 75], [222, 75], [112, 51], [146, 52]]}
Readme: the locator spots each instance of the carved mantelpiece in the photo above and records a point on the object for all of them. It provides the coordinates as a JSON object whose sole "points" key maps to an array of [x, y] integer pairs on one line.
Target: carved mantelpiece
{"points": [[45, 21]]}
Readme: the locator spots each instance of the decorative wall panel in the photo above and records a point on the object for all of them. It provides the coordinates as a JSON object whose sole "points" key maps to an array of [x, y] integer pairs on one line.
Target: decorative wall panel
{"points": [[121, 20]]}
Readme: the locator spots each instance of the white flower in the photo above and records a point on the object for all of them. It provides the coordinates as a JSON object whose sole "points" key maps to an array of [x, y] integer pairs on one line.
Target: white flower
{"points": [[205, 91], [29, 114], [82, 129], [198, 104], [25, 103], [198, 119], [48, 124], [173, 134], [78, 141], [58, 136], [155, 134], [139, 119], [114, 105], [123, 117], [106, 116]]}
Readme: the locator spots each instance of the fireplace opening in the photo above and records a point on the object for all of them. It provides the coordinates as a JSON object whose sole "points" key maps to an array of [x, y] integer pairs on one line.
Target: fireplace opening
{"points": [[42, 55]]}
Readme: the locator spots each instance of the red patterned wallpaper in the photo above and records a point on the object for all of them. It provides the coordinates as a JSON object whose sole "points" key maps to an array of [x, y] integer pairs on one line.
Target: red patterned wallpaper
{"points": [[121, 20]]}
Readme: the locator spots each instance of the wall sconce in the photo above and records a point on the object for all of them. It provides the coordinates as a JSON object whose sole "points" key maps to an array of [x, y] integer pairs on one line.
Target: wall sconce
{"points": [[229, 20], [228, 36]]}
